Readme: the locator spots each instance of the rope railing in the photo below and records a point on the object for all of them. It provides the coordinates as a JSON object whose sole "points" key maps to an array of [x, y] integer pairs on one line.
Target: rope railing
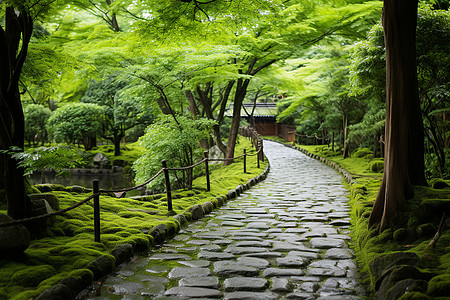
{"points": [[247, 132]]}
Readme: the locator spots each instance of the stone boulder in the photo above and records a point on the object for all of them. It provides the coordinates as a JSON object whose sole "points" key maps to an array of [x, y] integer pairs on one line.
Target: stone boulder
{"points": [[101, 161], [196, 212], [13, 239], [51, 199]]}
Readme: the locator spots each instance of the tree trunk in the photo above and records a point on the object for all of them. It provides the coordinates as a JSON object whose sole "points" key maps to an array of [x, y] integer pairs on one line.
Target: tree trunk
{"points": [[404, 152], [345, 138], [14, 40], [241, 90], [117, 139]]}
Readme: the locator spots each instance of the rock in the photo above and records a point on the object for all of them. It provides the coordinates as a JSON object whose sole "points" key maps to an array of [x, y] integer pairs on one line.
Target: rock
{"points": [[13, 239], [186, 272], [52, 199], [382, 263], [56, 292], [196, 212], [439, 285], [207, 207], [245, 284], [101, 161], [204, 282], [281, 285], [193, 292], [102, 266], [405, 286], [392, 278], [181, 219], [122, 253], [225, 268], [158, 233], [231, 194]]}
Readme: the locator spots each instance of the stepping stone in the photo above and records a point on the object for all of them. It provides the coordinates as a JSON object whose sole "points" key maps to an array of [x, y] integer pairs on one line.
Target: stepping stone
{"points": [[196, 263], [326, 243], [204, 282], [304, 254], [336, 253], [170, 256], [258, 225], [193, 292], [182, 272], [335, 272], [281, 285], [253, 244], [276, 272], [287, 225], [199, 242], [247, 234], [232, 216], [222, 242], [340, 222], [225, 268], [250, 296], [211, 248], [232, 223], [300, 296], [255, 211], [245, 284], [254, 262], [214, 255], [286, 247], [314, 219], [291, 262], [153, 290], [245, 250], [264, 254]]}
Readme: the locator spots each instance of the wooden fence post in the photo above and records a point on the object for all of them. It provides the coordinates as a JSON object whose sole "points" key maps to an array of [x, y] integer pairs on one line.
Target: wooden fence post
{"points": [[168, 191], [208, 184], [245, 160], [96, 211]]}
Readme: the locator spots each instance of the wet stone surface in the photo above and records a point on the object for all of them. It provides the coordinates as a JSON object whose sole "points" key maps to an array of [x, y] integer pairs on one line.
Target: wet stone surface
{"points": [[285, 238]]}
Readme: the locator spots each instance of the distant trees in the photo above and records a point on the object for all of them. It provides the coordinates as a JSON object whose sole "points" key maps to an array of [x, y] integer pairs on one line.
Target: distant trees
{"points": [[76, 123], [36, 117]]}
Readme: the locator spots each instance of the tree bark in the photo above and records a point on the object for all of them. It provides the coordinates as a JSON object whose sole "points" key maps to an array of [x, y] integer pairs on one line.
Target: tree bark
{"points": [[14, 40], [404, 155]]}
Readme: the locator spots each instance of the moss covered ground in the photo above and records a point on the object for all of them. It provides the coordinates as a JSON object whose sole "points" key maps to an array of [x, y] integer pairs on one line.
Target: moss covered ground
{"points": [[68, 246], [424, 214]]}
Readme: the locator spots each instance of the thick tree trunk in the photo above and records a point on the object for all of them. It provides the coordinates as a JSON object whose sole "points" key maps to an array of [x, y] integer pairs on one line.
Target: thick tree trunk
{"points": [[14, 40], [345, 153], [404, 156]]}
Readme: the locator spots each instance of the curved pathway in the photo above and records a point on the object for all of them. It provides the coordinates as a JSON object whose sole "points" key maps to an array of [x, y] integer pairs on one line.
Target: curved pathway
{"points": [[285, 238]]}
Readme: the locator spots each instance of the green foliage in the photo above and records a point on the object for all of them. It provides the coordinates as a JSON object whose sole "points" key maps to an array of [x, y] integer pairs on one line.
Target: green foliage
{"points": [[74, 123], [177, 143], [36, 117], [48, 158]]}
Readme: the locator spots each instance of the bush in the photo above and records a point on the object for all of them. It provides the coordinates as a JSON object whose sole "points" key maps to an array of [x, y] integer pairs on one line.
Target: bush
{"points": [[376, 166], [362, 152]]}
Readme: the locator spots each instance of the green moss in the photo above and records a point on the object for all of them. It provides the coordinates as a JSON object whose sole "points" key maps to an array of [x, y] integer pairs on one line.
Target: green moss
{"points": [[414, 296], [362, 152], [439, 285], [376, 166], [32, 276]]}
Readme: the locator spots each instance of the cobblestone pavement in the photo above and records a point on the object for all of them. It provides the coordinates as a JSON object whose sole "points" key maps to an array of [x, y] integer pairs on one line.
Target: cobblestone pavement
{"points": [[283, 239]]}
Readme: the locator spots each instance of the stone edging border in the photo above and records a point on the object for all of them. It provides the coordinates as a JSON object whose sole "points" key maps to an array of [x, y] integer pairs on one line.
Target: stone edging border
{"points": [[70, 287]]}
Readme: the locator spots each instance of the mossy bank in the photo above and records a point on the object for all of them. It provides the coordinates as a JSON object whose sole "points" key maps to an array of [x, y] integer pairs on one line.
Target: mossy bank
{"points": [[66, 257], [400, 263]]}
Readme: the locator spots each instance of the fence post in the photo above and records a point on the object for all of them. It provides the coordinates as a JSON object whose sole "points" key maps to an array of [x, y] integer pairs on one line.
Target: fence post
{"points": [[257, 157], [168, 191], [262, 151], [95, 191], [245, 160], [208, 184]]}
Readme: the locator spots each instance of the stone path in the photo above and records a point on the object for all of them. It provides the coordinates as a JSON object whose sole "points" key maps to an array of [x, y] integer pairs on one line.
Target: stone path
{"points": [[283, 239]]}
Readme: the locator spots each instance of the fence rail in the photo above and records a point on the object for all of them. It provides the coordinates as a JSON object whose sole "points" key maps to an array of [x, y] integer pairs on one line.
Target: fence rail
{"points": [[246, 132]]}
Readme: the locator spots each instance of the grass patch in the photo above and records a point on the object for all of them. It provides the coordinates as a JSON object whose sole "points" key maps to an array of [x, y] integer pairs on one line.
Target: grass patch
{"points": [[68, 246]]}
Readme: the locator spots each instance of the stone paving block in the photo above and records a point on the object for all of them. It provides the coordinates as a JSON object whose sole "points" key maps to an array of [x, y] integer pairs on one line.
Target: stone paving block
{"points": [[264, 244], [281, 285], [254, 262], [338, 253], [193, 292], [225, 268], [300, 296], [250, 296], [182, 272], [278, 272], [336, 272], [326, 243], [245, 284], [214, 255], [211, 248], [268, 254], [244, 250], [169, 256], [291, 262], [204, 282], [196, 263], [303, 254]]}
